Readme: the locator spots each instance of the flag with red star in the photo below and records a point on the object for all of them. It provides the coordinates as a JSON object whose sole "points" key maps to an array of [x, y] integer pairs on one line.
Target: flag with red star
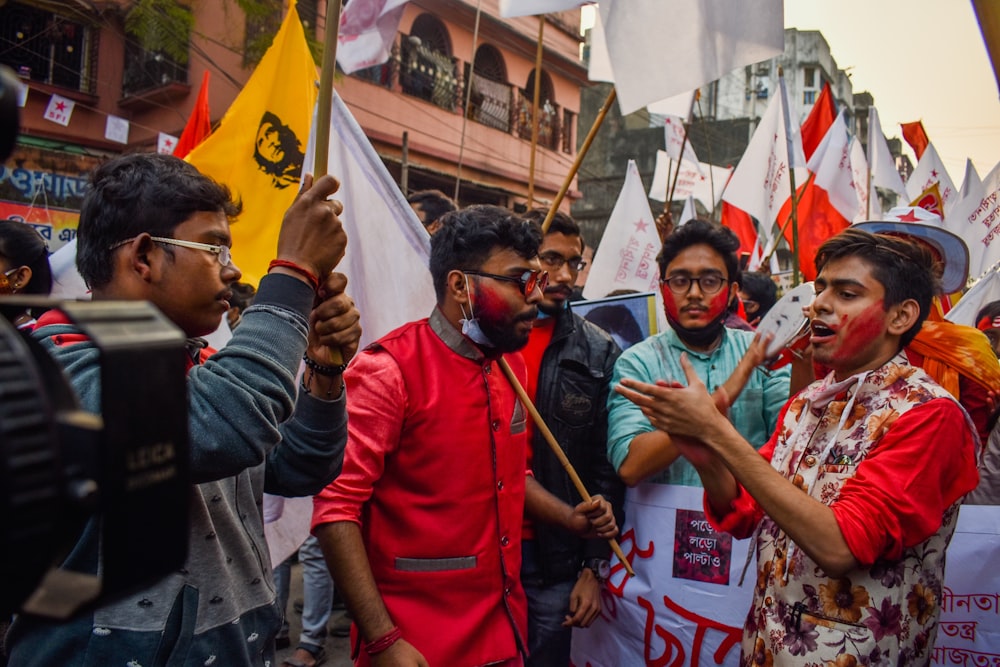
{"points": [[59, 110], [165, 143]]}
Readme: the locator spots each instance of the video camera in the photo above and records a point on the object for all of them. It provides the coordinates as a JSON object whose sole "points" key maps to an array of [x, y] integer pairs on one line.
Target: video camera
{"points": [[126, 469]]}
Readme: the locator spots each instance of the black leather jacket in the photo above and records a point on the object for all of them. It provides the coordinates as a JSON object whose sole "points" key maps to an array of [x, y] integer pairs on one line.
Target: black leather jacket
{"points": [[572, 394]]}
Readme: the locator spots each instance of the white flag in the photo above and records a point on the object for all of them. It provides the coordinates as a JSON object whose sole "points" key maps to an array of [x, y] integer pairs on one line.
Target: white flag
{"points": [[599, 61], [22, 93], [116, 129], [883, 165], [367, 30], [387, 257], [679, 105], [859, 173], [511, 8], [674, 134], [979, 225], [930, 170], [705, 185], [971, 183], [694, 42], [165, 143], [762, 183], [59, 110], [831, 162], [626, 256], [689, 212], [983, 292]]}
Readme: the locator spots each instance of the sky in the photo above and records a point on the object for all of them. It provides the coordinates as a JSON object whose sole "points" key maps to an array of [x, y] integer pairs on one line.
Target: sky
{"points": [[920, 60]]}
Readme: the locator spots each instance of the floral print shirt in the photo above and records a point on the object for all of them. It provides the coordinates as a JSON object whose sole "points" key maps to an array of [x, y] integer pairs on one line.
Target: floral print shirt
{"points": [[892, 454]]}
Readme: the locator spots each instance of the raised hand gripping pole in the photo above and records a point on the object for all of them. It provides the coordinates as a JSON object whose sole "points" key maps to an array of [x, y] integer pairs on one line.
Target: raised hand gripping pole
{"points": [[558, 451]]}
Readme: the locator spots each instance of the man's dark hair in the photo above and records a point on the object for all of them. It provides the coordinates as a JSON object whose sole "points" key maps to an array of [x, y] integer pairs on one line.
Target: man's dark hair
{"points": [[433, 203], [243, 295], [561, 223], [991, 311], [142, 192], [905, 269], [24, 246], [761, 288], [469, 236], [719, 238]]}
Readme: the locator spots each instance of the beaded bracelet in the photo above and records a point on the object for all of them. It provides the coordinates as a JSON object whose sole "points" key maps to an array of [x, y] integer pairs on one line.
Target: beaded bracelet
{"points": [[384, 642], [320, 369], [301, 270]]}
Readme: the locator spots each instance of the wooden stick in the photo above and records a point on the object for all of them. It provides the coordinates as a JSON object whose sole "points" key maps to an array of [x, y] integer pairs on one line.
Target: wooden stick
{"points": [[582, 153], [534, 111], [558, 451], [323, 113]]}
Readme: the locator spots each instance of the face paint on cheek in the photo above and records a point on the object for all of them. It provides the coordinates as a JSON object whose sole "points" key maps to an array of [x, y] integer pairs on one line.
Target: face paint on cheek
{"points": [[490, 305], [859, 331], [669, 302], [718, 303]]}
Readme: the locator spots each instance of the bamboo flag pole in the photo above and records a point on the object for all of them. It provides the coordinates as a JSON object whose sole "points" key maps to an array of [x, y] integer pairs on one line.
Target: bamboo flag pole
{"points": [[323, 113], [791, 179], [468, 100], [534, 111], [666, 186], [580, 154], [558, 451]]}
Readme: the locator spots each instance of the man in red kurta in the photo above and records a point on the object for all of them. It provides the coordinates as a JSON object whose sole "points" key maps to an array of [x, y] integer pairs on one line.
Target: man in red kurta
{"points": [[422, 530]]}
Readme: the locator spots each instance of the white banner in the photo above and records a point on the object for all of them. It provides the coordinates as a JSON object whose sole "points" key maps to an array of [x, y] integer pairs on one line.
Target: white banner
{"points": [[685, 607], [706, 186]]}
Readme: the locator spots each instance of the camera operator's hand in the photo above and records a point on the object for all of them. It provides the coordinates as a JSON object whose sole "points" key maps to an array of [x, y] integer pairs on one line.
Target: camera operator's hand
{"points": [[311, 235], [334, 325]]}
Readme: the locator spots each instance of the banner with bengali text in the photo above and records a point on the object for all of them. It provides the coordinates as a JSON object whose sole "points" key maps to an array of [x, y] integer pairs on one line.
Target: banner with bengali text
{"points": [[685, 605]]}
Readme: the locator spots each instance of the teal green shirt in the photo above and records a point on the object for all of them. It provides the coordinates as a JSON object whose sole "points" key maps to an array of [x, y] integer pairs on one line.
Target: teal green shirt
{"points": [[754, 413]]}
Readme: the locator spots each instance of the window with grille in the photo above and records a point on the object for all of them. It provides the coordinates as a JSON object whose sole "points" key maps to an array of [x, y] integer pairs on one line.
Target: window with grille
{"points": [[809, 97], [46, 47], [490, 100], [427, 69]]}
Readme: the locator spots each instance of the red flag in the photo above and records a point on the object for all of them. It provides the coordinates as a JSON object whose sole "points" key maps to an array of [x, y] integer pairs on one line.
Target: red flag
{"points": [[740, 222], [818, 220], [819, 121], [199, 124], [916, 137]]}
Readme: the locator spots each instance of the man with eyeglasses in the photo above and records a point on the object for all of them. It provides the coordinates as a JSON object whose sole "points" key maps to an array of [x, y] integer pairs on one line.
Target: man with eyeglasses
{"points": [[422, 529], [699, 279], [153, 228], [569, 363]]}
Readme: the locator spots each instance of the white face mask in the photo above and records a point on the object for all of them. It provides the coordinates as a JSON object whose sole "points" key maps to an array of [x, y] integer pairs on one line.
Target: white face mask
{"points": [[470, 323]]}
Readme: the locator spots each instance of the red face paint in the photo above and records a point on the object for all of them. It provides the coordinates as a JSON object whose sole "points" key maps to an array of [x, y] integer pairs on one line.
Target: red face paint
{"points": [[858, 332]]}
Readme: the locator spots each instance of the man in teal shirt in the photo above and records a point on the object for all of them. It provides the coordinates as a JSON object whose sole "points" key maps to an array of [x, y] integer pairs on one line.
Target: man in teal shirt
{"points": [[699, 279]]}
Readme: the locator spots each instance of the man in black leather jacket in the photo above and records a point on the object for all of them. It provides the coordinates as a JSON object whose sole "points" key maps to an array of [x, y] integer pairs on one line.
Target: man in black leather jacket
{"points": [[569, 364]]}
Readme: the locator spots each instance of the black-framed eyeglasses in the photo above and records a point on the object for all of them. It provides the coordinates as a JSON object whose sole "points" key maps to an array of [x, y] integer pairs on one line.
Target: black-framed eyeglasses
{"points": [[554, 261], [526, 282], [709, 283]]}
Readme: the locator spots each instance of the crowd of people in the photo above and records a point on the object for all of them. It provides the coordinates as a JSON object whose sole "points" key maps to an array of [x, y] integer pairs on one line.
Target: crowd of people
{"points": [[444, 515]]}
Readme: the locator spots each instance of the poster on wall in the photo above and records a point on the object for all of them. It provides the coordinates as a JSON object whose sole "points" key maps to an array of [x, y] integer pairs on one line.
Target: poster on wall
{"points": [[686, 607], [57, 226]]}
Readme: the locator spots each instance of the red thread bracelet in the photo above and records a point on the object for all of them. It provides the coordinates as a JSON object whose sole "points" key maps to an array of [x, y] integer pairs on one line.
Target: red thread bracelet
{"points": [[384, 642], [301, 270]]}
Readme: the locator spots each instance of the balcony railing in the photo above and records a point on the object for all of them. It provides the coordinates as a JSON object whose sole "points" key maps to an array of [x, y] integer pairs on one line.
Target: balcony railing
{"points": [[435, 77]]}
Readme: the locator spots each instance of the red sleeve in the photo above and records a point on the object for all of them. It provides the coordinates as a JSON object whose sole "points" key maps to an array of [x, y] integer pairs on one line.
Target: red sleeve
{"points": [[744, 513], [898, 494], [375, 408]]}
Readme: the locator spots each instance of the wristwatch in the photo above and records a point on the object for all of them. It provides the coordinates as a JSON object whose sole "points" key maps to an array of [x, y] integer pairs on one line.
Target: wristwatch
{"points": [[600, 567]]}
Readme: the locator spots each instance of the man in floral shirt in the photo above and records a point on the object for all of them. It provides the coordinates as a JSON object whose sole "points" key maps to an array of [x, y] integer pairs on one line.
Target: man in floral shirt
{"points": [[854, 499]]}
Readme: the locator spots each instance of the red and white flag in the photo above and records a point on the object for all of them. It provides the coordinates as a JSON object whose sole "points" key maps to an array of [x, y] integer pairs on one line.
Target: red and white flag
{"points": [[165, 143], [626, 256], [59, 110], [762, 181], [819, 121], [675, 135], [883, 164], [826, 202], [930, 170], [367, 31], [695, 41]]}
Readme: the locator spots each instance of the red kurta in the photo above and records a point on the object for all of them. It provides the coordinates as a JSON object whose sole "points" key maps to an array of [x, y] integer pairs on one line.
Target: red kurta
{"points": [[434, 474]]}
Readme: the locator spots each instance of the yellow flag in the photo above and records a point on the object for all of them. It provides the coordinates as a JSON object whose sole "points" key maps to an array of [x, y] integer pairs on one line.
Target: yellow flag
{"points": [[259, 147]]}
